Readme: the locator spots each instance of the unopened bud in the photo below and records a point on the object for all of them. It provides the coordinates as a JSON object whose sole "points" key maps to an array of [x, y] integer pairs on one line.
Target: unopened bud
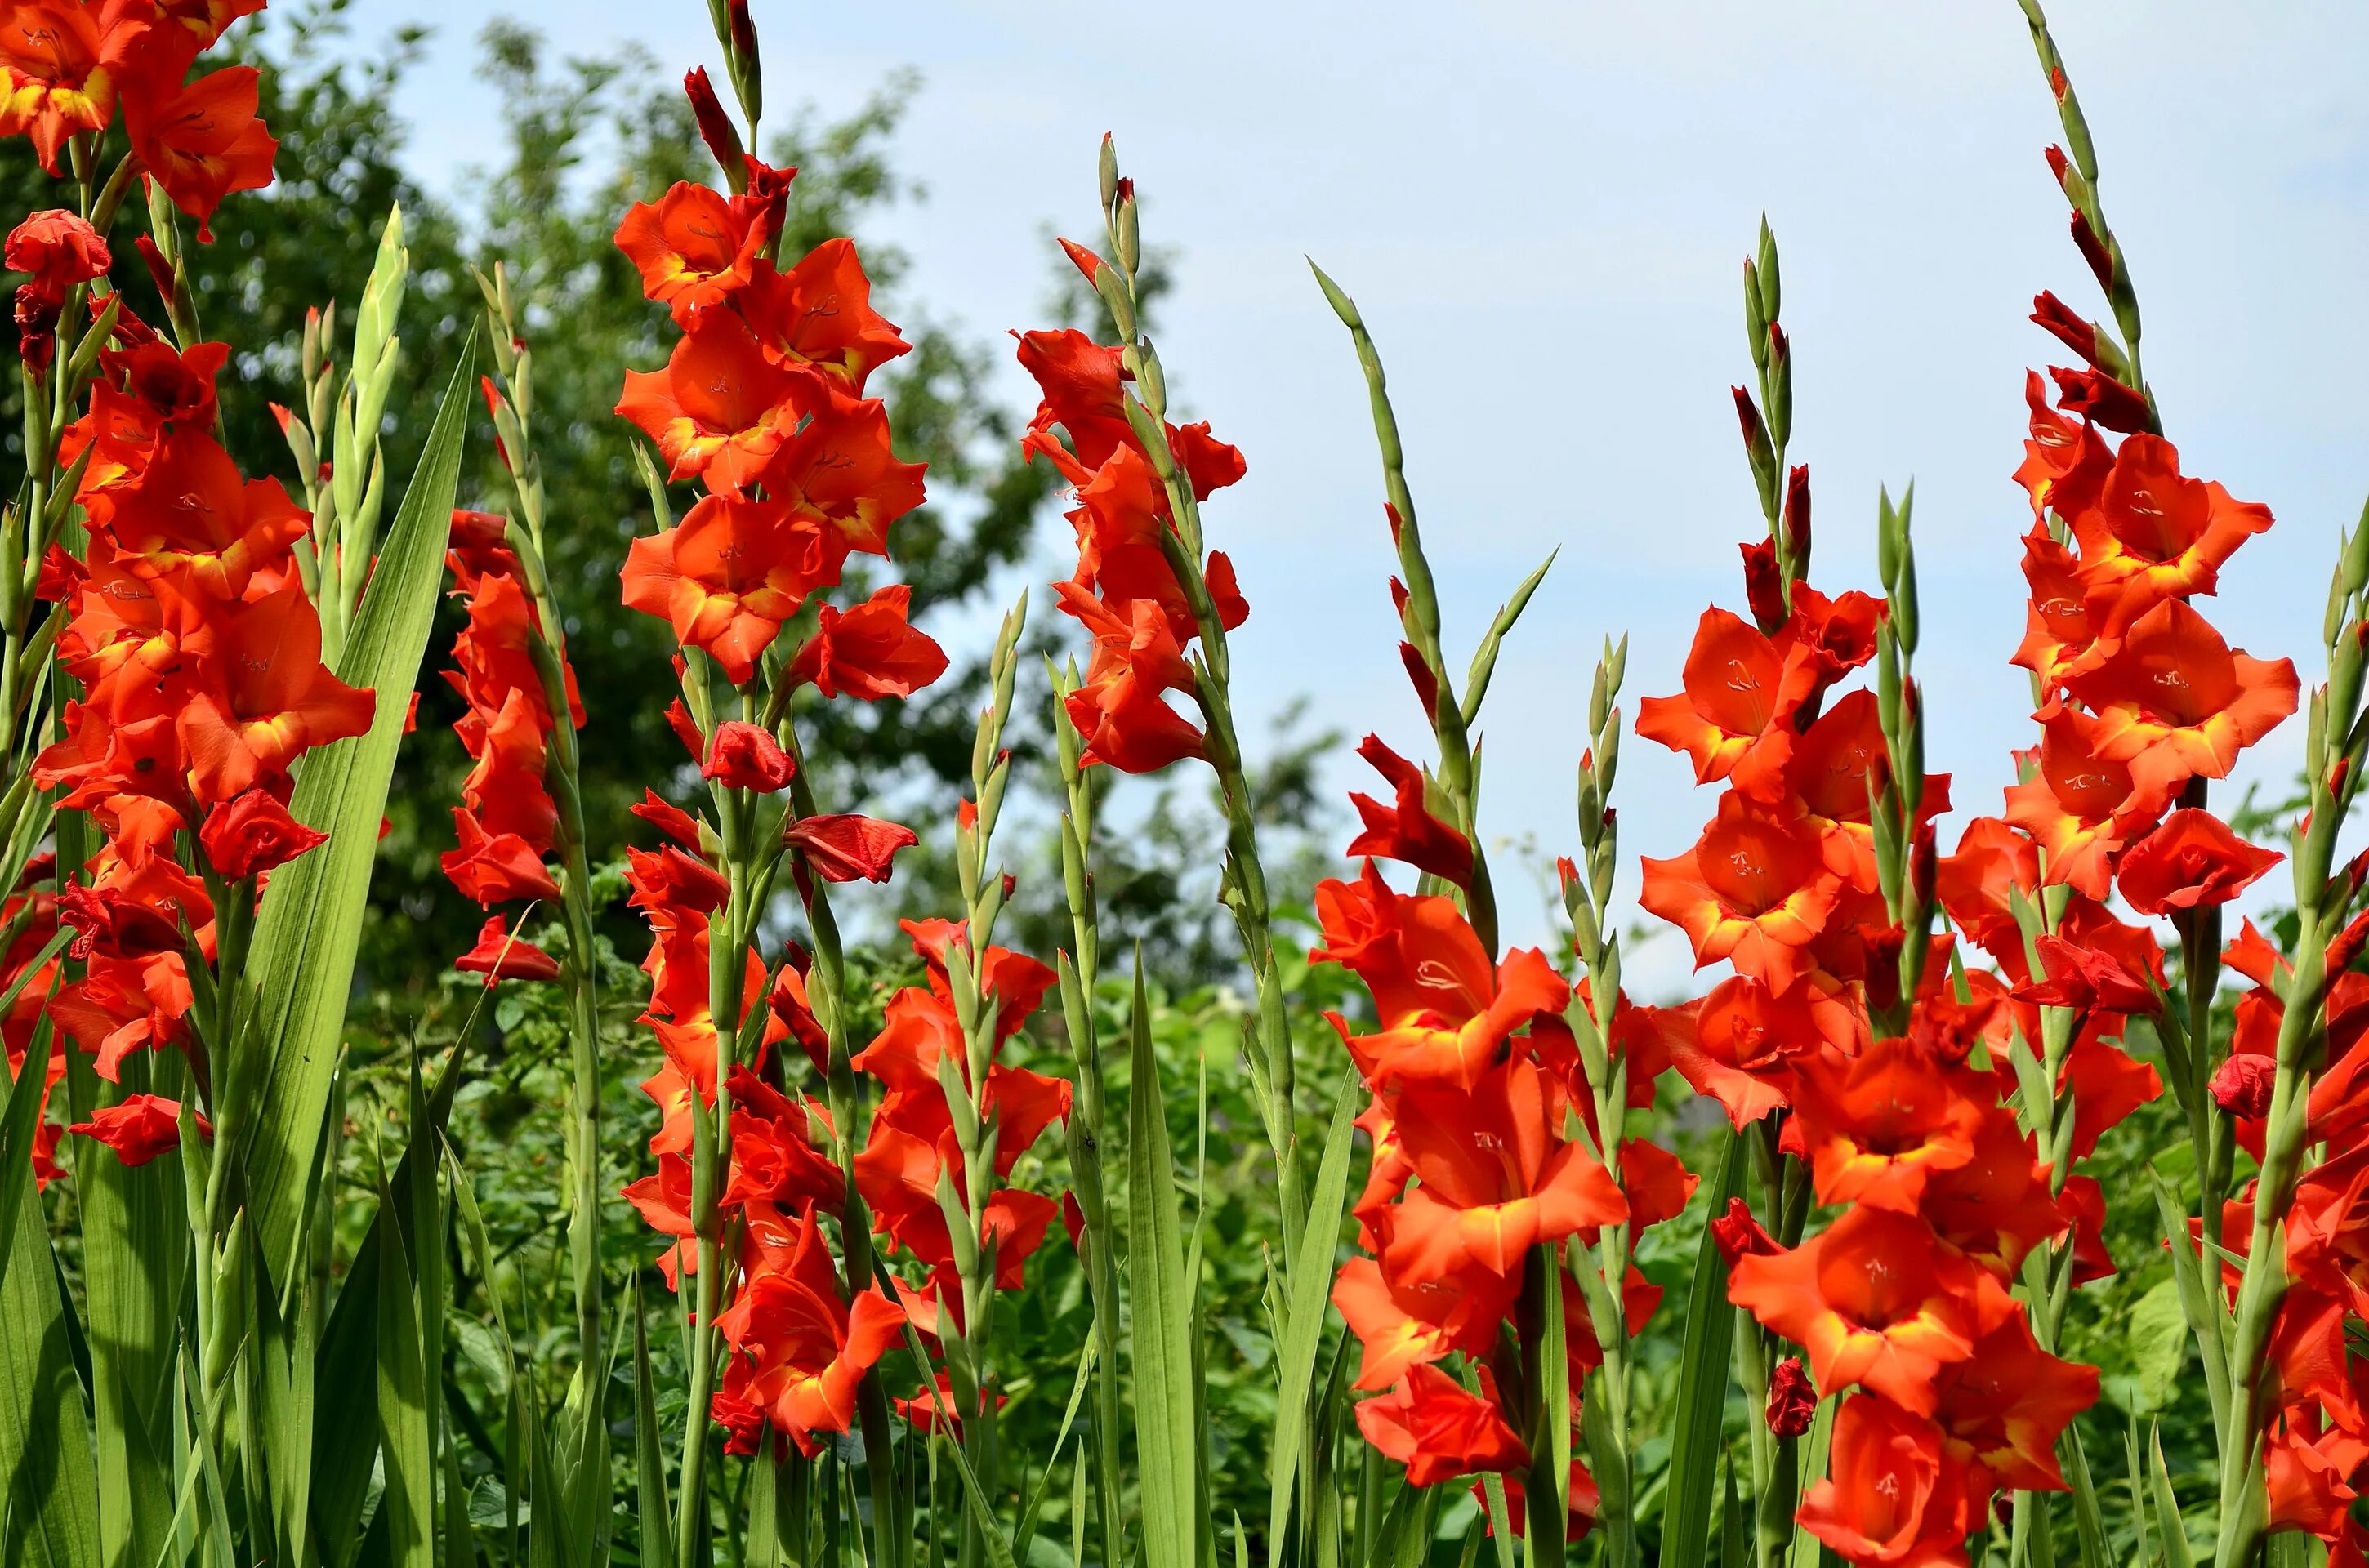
{"points": [[1107, 171], [716, 127], [1791, 1400], [2241, 1084], [1737, 1234]]}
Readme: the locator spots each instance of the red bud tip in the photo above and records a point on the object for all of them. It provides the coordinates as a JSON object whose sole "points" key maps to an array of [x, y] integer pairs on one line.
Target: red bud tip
{"points": [[2241, 1085], [1085, 260], [1791, 1400]]}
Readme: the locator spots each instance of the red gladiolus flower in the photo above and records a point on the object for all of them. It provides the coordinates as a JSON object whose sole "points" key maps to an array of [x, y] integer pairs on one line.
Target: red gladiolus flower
{"points": [[501, 956], [63, 62], [2065, 462], [1446, 1010], [139, 1128], [1496, 1177], [1737, 1234], [57, 247], [190, 510], [1400, 1325], [842, 470], [2004, 1407], [254, 833], [1995, 1208], [1876, 1126], [1734, 693], [204, 141], [2154, 536], [1406, 830], [730, 573], [2057, 635], [1431, 1425], [1875, 1300], [808, 1349], [2175, 703], [818, 316], [871, 651], [2191, 861], [1891, 1496], [1743, 1037], [1754, 890], [746, 756], [2080, 809], [843, 848], [494, 868], [721, 408], [692, 249], [273, 702]]}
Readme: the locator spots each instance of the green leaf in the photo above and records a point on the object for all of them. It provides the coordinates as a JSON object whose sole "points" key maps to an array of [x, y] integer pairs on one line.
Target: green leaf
{"points": [[1303, 1327], [1703, 1379], [2168, 1525], [409, 1503], [649, 1458], [2158, 1336], [306, 933], [51, 1501], [1159, 1346]]}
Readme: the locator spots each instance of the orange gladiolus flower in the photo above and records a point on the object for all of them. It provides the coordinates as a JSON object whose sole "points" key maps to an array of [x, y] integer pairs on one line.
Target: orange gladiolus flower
{"points": [[1440, 1431], [1495, 1176], [202, 140], [2065, 462], [721, 408], [1875, 1127], [191, 510], [2057, 635], [808, 1349], [692, 248], [2080, 809], [2191, 861], [730, 573], [1754, 889], [1876, 1300], [64, 61], [870, 652], [271, 699], [2175, 703], [2154, 535], [1733, 678], [1892, 1495]]}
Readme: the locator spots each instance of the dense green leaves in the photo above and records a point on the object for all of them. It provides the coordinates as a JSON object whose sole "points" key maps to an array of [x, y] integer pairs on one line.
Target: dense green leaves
{"points": [[309, 927]]}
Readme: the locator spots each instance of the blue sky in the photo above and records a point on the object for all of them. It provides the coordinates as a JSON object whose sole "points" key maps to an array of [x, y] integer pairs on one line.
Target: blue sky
{"points": [[1541, 206]]}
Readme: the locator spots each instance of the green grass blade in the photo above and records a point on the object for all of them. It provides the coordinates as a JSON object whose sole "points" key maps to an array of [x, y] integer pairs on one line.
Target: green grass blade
{"points": [[408, 1503], [309, 927], [1304, 1328], [1160, 1344], [2174, 1534], [1025, 1537], [650, 1454], [1703, 1377], [50, 1496]]}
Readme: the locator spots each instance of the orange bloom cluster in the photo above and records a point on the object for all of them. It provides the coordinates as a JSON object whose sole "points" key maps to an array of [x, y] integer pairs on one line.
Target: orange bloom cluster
{"points": [[912, 1152], [507, 820], [1472, 1073], [65, 66], [763, 400], [1125, 592], [198, 655]]}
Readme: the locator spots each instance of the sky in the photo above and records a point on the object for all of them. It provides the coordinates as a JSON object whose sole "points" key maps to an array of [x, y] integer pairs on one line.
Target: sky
{"points": [[1541, 207]]}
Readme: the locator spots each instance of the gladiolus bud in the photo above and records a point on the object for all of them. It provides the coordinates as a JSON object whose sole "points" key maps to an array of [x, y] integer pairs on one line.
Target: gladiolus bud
{"points": [[1791, 1400], [2241, 1085], [253, 834], [716, 127], [1737, 1234], [1797, 516], [746, 756]]}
